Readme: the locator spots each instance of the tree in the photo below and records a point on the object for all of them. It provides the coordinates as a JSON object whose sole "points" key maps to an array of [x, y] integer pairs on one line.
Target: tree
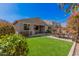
{"points": [[73, 21], [71, 7]]}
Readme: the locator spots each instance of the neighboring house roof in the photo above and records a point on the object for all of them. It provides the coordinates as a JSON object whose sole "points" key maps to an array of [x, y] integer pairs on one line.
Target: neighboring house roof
{"points": [[36, 21]]}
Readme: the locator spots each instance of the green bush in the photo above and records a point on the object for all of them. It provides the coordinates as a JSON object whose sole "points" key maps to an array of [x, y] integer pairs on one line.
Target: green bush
{"points": [[49, 31], [13, 45]]}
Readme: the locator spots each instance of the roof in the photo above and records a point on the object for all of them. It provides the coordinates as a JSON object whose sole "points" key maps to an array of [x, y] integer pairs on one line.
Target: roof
{"points": [[36, 21]]}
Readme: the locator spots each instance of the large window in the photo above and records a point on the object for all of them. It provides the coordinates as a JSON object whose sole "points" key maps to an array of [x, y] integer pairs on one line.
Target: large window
{"points": [[36, 27], [26, 26]]}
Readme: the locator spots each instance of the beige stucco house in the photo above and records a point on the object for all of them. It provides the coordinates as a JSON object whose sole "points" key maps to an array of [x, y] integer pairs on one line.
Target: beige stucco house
{"points": [[30, 26]]}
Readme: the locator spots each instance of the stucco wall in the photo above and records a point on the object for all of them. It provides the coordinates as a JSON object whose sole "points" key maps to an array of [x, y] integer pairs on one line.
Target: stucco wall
{"points": [[46, 28], [19, 27]]}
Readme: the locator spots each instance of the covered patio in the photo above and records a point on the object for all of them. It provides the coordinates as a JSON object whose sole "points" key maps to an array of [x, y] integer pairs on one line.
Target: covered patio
{"points": [[39, 29]]}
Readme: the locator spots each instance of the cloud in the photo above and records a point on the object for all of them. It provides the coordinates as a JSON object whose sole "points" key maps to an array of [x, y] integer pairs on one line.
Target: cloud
{"points": [[10, 12], [12, 18]]}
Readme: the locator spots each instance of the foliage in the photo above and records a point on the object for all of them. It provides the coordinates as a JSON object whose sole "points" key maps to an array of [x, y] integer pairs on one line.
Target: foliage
{"points": [[13, 45], [73, 21], [71, 7], [49, 31], [6, 28]]}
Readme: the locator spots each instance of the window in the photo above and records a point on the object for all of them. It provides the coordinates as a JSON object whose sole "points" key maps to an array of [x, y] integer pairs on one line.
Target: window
{"points": [[26, 26], [36, 27]]}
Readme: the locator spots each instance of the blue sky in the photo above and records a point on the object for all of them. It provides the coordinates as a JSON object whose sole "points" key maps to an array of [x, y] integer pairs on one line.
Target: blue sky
{"points": [[46, 11]]}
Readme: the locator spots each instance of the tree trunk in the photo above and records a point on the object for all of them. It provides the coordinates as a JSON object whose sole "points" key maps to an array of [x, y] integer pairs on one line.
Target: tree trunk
{"points": [[77, 35]]}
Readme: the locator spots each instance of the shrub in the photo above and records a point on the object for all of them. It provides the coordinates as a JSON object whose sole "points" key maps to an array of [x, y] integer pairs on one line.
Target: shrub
{"points": [[6, 28], [49, 31], [13, 45]]}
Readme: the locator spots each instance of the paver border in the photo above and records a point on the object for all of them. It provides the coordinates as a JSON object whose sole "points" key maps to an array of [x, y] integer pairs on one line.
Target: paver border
{"points": [[71, 52], [69, 40]]}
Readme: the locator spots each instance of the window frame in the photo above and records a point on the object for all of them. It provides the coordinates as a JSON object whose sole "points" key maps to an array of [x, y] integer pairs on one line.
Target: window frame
{"points": [[26, 26]]}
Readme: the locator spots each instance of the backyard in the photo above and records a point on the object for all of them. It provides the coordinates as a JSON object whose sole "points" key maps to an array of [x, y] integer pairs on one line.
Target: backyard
{"points": [[44, 46], [44, 32]]}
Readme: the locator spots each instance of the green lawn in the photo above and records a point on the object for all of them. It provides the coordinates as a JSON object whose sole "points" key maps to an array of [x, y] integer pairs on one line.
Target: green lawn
{"points": [[43, 46]]}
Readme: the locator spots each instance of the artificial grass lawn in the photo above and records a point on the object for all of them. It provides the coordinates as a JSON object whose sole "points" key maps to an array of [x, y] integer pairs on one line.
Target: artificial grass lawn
{"points": [[44, 46]]}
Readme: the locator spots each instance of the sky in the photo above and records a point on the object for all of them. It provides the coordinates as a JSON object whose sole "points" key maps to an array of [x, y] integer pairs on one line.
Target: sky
{"points": [[45, 11]]}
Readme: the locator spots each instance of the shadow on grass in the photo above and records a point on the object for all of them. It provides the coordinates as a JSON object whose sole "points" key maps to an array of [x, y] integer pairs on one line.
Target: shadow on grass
{"points": [[39, 35]]}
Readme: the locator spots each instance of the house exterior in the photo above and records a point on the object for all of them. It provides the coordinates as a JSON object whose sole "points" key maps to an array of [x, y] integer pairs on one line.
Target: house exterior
{"points": [[49, 23], [30, 26], [54, 27]]}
